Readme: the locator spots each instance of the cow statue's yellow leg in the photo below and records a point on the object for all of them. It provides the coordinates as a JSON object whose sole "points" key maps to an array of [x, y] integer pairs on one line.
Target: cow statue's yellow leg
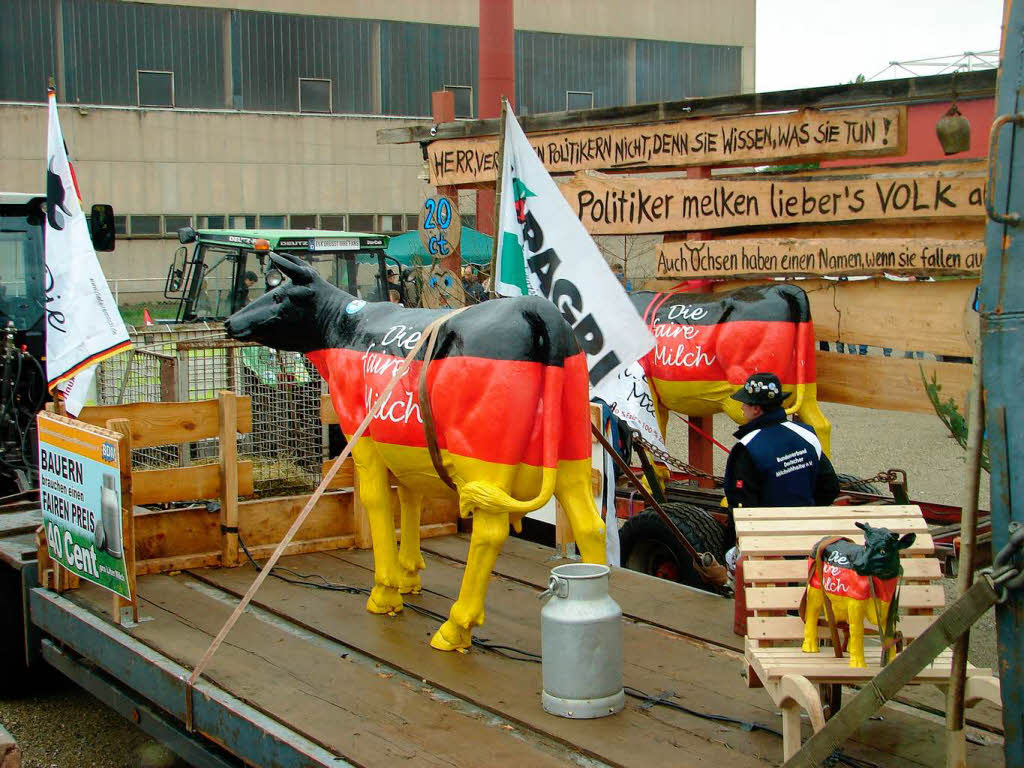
{"points": [[490, 529], [812, 610], [855, 616], [574, 492], [375, 493], [810, 413], [410, 560]]}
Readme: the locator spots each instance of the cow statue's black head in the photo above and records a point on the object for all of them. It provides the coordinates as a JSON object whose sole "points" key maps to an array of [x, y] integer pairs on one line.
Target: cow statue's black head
{"points": [[291, 316], [880, 555]]}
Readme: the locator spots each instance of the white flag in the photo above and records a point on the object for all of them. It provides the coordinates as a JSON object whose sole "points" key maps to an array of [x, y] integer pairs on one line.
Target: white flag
{"points": [[83, 325], [544, 250]]}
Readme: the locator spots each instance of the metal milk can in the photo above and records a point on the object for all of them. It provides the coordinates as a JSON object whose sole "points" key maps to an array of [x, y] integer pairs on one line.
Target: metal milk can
{"points": [[581, 643]]}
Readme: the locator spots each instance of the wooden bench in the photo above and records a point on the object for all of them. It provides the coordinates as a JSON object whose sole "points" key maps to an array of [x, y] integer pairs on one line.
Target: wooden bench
{"points": [[776, 544]]}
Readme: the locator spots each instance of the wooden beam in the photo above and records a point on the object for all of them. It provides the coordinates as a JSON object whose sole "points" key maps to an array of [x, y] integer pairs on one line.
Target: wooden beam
{"points": [[818, 257], [160, 486], [344, 478], [608, 205], [327, 413], [931, 317], [720, 141], [887, 384], [124, 447], [169, 423], [970, 85], [228, 476]]}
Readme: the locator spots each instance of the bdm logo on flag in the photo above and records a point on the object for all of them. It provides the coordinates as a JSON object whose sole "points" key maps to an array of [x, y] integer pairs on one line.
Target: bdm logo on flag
{"points": [[544, 250], [83, 325]]}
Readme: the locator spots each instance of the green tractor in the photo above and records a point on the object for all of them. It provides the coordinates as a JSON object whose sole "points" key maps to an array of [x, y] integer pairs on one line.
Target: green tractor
{"points": [[228, 268]]}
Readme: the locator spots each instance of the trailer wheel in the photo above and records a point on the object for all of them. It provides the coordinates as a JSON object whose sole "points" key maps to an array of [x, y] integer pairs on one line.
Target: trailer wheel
{"points": [[855, 484], [14, 680], [649, 547]]}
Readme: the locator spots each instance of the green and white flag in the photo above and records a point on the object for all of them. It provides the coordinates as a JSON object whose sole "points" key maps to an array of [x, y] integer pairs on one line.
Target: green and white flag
{"points": [[544, 250]]}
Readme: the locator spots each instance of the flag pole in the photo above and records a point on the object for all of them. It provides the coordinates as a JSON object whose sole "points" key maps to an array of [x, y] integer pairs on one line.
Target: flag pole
{"points": [[497, 194]]}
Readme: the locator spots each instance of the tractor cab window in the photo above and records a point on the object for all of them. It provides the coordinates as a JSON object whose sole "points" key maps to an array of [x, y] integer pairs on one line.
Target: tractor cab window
{"points": [[21, 288], [258, 276], [214, 292]]}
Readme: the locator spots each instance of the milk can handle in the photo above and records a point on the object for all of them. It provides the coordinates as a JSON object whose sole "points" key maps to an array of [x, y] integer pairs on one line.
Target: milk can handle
{"points": [[556, 586]]}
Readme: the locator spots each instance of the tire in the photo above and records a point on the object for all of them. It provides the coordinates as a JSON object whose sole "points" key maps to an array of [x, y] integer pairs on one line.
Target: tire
{"points": [[648, 546], [15, 679], [856, 485]]}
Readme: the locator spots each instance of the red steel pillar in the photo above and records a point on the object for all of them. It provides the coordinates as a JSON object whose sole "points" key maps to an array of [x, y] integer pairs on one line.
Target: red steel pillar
{"points": [[497, 80]]}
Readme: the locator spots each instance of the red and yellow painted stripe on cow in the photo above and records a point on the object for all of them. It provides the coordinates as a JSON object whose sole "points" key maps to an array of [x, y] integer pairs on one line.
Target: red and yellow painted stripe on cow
{"points": [[507, 422]]}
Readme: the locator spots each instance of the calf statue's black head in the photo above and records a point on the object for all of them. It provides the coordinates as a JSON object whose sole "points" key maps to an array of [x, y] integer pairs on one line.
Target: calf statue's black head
{"points": [[879, 555], [294, 315]]}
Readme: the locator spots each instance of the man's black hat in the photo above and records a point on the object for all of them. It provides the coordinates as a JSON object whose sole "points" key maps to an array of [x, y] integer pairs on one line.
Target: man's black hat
{"points": [[761, 389]]}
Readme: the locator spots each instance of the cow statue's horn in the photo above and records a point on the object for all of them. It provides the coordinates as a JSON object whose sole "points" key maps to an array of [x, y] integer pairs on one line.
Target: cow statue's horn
{"points": [[298, 271]]}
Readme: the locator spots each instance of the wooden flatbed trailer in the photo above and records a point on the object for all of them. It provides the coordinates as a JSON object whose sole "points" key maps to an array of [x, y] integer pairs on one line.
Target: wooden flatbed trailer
{"points": [[309, 678]]}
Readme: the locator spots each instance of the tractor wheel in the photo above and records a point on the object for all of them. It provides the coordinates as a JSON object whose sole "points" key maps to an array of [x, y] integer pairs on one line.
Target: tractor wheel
{"points": [[856, 485], [649, 547]]}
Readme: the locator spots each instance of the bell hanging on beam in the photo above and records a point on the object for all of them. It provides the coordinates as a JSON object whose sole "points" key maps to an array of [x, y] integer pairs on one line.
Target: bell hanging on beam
{"points": [[954, 131]]}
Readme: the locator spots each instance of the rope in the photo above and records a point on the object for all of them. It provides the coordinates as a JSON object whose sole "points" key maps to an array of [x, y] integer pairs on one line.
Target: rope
{"points": [[310, 504]]}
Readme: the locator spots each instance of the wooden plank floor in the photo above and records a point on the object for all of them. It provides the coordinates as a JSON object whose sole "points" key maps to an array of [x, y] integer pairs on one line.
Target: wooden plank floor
{"points": [[700, 615], [372, 690]]}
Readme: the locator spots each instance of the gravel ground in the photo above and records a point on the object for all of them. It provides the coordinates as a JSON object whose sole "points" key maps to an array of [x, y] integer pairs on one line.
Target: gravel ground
{"points": [[67, 728]]}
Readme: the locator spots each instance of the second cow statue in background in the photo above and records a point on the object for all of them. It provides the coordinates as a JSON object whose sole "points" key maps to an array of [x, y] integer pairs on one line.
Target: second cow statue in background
{"points": [[509, 404]]}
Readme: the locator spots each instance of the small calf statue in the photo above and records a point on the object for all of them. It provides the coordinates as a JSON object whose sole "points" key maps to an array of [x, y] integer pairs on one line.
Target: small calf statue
{"points": [[859, 582]]}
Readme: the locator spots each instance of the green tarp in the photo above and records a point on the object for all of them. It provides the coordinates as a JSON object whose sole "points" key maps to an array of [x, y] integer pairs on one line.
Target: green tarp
{"points": [[407, 248]]}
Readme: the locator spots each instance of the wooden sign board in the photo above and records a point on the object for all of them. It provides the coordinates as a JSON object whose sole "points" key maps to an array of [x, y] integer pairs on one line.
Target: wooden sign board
{"points": [[621, 206], [752, 139], [818, 257], [440, 226]]}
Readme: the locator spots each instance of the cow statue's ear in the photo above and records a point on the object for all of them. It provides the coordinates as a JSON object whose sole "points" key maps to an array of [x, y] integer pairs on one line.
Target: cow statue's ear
{"points": [[299, 272], [863, 526], [906, 540]]}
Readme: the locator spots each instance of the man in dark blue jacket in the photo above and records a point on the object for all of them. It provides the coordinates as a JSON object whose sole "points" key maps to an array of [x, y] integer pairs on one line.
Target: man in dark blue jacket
{"points": [[776, 463]]}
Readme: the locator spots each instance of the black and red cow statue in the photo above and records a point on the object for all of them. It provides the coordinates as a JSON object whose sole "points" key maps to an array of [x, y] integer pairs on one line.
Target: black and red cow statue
{"points": [[709, 343], [508, 389], [859, 581]]}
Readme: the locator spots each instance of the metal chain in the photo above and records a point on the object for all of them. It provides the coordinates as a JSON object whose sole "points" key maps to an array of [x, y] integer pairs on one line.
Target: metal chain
{"points": [[666, 458]]}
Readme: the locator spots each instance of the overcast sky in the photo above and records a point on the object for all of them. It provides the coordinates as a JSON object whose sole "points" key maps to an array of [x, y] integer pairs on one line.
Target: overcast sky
{"points": [[804, 43]]}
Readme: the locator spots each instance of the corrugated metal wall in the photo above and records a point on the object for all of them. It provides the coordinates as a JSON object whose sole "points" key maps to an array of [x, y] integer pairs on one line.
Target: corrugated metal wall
{"points": [[548, 65], [417, 59], [274, 50], [105, 43], [28, 51], [669, 71]]}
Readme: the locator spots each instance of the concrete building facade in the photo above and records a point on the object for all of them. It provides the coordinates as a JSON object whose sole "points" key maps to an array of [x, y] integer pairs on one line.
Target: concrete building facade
{"points": [[220, 113]]}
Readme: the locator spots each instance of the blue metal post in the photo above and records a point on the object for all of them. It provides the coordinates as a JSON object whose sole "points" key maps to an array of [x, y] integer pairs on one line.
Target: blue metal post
{"points": [[1002, 322]]}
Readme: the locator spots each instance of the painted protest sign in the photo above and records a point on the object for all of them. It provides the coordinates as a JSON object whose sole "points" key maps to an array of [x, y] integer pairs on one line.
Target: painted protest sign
{"points": [[814, 257], [80, 495], [720, 141], [609, 205]]}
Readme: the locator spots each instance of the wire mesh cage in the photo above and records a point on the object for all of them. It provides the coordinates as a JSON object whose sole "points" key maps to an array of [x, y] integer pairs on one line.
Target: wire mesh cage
{"points": [[287, 444]]}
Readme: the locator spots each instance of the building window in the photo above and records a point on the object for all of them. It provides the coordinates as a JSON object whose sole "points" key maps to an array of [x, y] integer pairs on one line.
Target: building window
{"points": [[303, 221], [361, 222], [579, 100], [173, 223], [120, 225], [211, 221], [469, 220], [242, 221], [335, 223], [144, 225], [314, 95], [155, 88], [391, 223], [272, 221], [463, 99]]}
